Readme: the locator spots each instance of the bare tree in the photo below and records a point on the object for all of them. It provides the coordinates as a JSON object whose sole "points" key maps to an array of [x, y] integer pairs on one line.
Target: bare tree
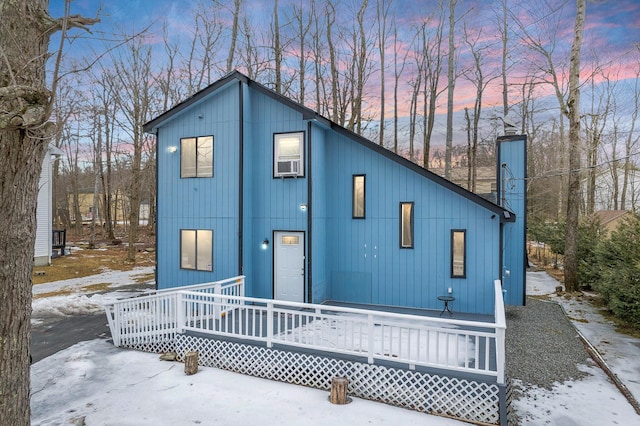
{"points": [[318, 53], [594, 125], [205, 40], [303, 26], [330, 13], [504, 36], [416, 87], [476, 75], [362, 68], [25, 108], [277, 49], [432, 37], [544, 44], [397, 73], [451, 84], [382, 8], [234, 34], [134, 69], [573, 114]]}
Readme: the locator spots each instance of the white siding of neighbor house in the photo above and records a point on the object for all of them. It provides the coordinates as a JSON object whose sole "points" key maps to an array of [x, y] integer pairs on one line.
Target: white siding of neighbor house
{"points": [[42, 254]]}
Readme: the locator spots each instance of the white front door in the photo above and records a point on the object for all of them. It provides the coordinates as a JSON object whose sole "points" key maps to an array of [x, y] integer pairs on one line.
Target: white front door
{"points": [[289, 266]]}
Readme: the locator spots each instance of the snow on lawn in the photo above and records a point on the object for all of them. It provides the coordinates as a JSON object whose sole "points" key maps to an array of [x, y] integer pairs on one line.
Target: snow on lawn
{"points": [[102, 385], [72, 296], [620, 352]]}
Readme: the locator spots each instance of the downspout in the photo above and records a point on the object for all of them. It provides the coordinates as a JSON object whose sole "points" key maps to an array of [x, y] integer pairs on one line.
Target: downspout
{"points": [[309, 216], [240, 177]]}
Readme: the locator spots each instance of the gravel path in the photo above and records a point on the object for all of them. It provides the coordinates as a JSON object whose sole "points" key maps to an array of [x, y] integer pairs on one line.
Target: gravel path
{"points": [[542, 345]]}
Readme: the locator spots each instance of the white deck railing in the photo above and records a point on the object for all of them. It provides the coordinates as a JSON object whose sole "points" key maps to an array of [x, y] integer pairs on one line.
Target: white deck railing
{"points": [[220, 309], [153, 318]]}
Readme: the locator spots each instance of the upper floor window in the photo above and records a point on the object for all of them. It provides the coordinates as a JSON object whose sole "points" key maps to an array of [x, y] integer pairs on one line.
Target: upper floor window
{"points": [[358, 202], [406, 225], [196, 157], [458, 253], [288, 154], [196, 249]]}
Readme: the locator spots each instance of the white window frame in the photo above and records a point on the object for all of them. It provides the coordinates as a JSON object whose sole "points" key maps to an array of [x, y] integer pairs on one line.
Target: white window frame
{"points": [[288, 164]]}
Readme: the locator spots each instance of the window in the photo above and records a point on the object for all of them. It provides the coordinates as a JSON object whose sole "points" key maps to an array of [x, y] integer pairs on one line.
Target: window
{"points": [[196, 249], [196, 157], [288, 158], [458, 253], [358, 202], [289, 240], [406, 225]]}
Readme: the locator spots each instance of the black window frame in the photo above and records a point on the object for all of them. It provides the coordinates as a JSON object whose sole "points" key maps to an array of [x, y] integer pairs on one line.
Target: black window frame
{"points": [[197, 175], [411, 224], [364, 196], [196, 250], [464, 253]]}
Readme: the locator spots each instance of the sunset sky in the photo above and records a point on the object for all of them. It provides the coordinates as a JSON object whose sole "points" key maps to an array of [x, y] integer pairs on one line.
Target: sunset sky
{"points": [[611, 39]]}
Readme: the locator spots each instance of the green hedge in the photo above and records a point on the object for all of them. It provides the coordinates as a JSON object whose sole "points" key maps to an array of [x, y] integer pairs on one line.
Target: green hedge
{"points": [[618, 271]]}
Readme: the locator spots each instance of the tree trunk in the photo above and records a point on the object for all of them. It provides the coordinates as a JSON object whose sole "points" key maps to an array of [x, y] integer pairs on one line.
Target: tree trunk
{"points": [[339, 391], [21, 157], [573, 196], [234, 34], [191, 363], [277, 49], [23, 143], [451, 81]]}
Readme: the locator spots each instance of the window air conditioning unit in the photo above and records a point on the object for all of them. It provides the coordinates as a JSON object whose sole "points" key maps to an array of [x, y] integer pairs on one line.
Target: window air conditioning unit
{"points": [[288, 168]]}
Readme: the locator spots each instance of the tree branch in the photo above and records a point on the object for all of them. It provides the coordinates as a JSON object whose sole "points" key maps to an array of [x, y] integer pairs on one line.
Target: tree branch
{"points": [[68, 22]]}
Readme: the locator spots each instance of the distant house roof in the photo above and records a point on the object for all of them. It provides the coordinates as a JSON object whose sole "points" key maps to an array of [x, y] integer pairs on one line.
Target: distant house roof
{"points": [[606, 216], [309, 114]]}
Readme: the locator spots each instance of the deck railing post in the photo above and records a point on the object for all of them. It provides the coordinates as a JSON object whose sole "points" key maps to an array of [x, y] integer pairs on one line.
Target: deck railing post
{"points": [[501, 325], [370, 343], [180, 312], [269, 324], [500, 354], [217, 291]]}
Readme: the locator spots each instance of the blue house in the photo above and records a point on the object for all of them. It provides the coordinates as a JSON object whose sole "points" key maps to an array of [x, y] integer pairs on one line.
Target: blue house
{"points": [[252, 183]]}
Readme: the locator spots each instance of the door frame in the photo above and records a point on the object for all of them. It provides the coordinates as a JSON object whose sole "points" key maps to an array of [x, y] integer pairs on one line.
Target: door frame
{"points": [[304, 261]]}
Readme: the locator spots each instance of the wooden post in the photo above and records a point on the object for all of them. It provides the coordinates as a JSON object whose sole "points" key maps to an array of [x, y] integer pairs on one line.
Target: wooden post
{"points": [[191, 363], [339, 387]]}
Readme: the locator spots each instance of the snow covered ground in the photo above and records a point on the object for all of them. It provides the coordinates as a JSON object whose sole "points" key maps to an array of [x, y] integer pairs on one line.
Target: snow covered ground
{"points": [[76, 299], [95, 383], [593, 400]]}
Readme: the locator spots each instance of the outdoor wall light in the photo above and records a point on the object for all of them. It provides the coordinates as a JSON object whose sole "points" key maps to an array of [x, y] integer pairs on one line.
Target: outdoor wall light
{"points": [[172, 149], [303, 207], [265, 244]]}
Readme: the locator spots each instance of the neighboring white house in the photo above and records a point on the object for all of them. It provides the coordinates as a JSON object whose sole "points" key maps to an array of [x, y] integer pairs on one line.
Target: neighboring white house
{"points": [[44, 211]]}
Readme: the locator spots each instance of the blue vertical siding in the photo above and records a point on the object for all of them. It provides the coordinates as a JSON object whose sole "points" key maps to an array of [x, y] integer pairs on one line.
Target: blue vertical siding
{"points": [[274, 202], [353, 260], [319, 253], [512, 152], [366, 263], [199, 203]]}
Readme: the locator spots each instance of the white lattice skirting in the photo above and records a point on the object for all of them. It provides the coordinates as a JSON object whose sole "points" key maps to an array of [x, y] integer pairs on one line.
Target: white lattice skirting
{"points": [[468, 400]]}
